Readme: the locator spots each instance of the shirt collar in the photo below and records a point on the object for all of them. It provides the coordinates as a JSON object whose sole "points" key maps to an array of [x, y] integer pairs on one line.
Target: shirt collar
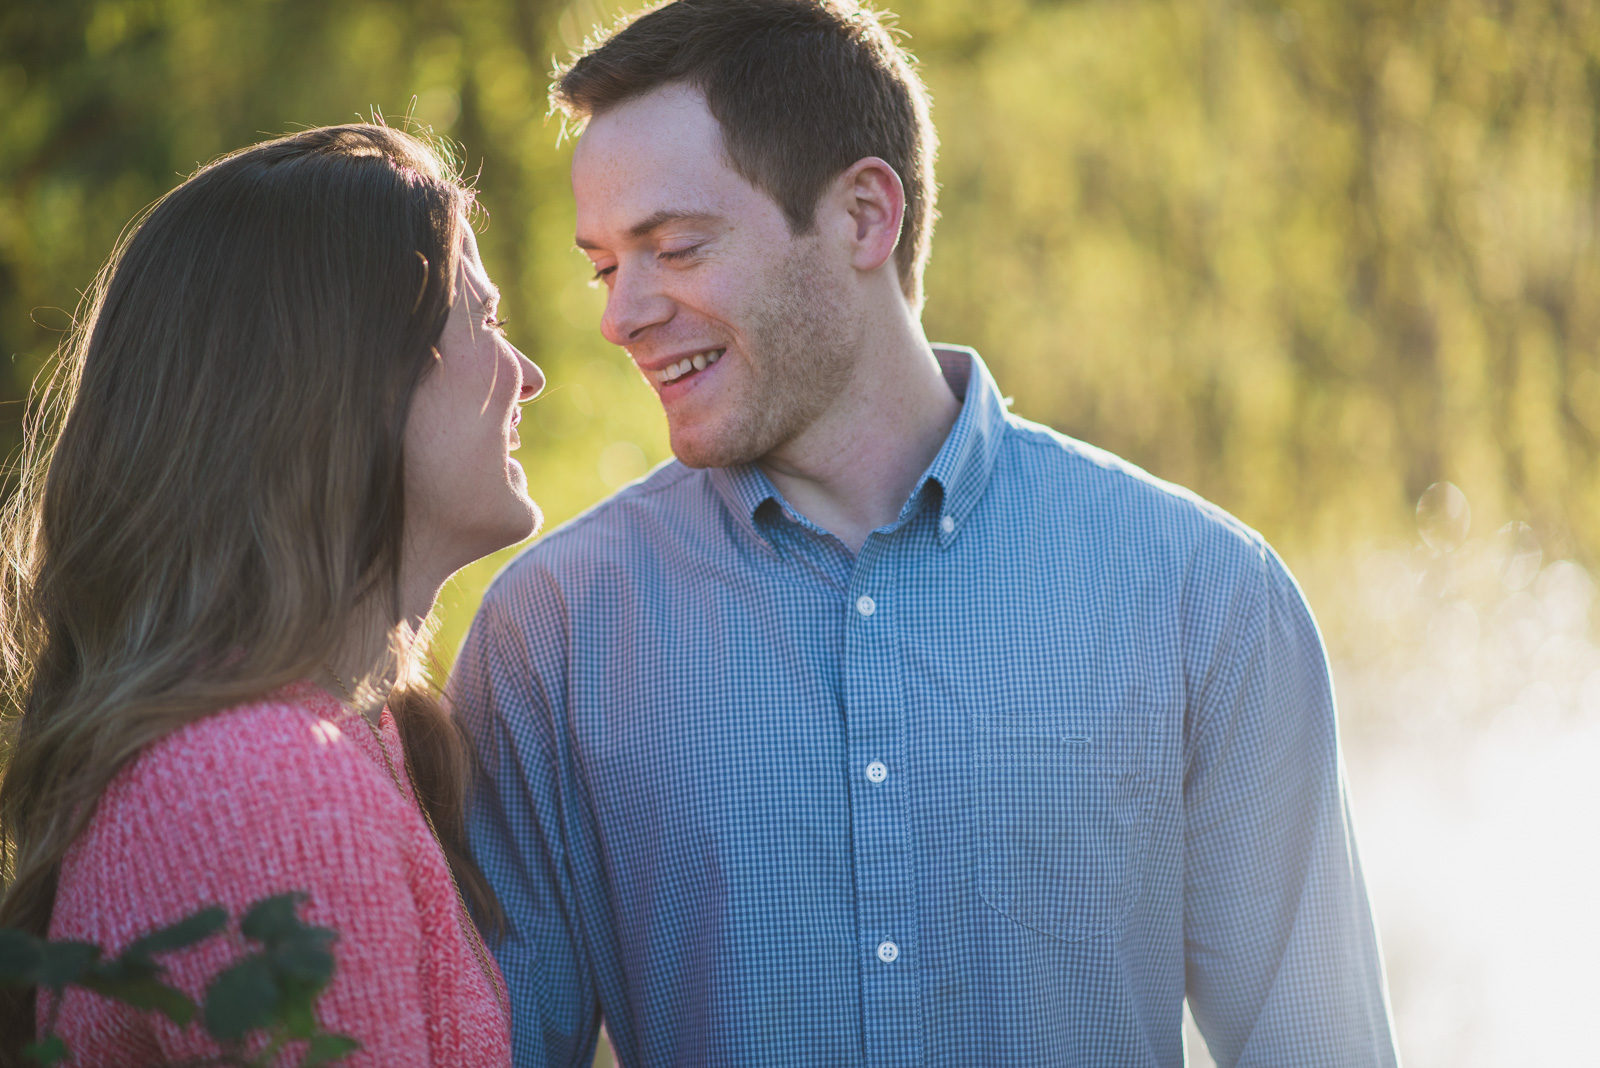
{"points": [[966, 460], [744, 489], [961, 468]]}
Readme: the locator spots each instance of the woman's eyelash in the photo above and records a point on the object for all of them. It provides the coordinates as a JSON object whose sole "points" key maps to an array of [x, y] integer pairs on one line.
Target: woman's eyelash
{"points": [[497, 324]]}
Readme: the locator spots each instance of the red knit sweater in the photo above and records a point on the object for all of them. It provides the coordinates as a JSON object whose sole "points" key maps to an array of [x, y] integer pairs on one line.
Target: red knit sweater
{"points": [[290, 793]]}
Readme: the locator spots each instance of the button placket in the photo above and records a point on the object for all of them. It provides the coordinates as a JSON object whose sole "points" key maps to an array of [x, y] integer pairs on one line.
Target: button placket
{"points": [[886, 893]]}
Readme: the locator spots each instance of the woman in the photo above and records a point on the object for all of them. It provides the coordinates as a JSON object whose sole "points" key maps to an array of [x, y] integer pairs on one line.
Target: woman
{"points": [[288, 422]]}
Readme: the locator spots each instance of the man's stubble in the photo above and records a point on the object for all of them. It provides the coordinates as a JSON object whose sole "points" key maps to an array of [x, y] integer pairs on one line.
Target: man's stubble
{"points": [[803, 340]]}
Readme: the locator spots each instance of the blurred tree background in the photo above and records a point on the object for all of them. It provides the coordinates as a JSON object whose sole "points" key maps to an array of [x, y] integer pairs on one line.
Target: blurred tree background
{"points": [[1305, 257]]}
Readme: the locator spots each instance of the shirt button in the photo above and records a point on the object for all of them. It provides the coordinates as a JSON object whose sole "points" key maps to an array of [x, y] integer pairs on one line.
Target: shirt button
{"points": [[888, 952], [866, 605], [947, 524], [877, 772]]}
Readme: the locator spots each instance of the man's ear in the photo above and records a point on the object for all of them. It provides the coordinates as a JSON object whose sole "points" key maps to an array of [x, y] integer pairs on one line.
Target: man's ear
{"points": [[873, 198]]}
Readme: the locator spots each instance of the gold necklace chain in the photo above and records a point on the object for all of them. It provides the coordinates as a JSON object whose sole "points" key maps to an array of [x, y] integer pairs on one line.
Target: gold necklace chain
{"points": [[463, 915]]}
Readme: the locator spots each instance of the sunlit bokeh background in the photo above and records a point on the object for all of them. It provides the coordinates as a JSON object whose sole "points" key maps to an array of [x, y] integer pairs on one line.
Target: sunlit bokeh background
{"points": [[1331, 263]]}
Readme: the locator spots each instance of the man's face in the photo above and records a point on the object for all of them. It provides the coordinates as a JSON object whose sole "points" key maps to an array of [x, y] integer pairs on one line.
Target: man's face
{"points": [[746, 333]]}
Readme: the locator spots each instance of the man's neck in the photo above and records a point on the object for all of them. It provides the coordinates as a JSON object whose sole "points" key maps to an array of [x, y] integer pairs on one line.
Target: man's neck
{"points": [[852, 470]]}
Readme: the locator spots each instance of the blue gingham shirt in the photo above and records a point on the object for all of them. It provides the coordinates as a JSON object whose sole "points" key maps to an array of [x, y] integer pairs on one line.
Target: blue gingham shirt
{"points": [[1054, 750]]}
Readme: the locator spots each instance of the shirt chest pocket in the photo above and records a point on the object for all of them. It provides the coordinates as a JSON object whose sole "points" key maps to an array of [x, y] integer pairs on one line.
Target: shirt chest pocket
{"points": [[1063, 823]]}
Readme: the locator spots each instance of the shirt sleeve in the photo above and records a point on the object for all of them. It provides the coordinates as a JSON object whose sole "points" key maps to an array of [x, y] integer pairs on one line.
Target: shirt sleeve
{"points": [[267, 803], [1282, 958], [507, 688]]}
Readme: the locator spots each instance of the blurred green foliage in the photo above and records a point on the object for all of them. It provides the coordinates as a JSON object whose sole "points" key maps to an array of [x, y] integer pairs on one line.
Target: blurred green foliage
{"points": [[1306, 258], [256, 1009]]}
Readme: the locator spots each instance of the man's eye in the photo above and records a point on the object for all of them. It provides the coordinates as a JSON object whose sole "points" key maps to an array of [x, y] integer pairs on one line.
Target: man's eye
{"points": [[678, 253], [602, 273]]}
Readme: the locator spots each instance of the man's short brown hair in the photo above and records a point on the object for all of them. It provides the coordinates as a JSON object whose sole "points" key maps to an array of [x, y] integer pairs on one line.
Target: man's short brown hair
{"points": [[801, 88]]}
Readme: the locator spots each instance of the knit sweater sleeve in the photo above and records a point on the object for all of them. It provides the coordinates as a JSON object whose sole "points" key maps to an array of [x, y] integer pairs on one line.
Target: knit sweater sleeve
{"points": [[238, 807]]}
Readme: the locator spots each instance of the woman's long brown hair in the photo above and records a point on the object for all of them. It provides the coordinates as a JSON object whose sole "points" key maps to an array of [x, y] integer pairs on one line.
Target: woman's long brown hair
{"points": [[212, 489]]}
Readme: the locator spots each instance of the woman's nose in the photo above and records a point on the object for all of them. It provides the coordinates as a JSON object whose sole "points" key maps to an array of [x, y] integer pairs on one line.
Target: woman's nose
{"points": [[532, 379]]}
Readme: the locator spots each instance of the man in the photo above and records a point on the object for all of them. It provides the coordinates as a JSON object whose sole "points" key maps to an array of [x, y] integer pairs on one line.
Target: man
{"points": [[883, 727]]}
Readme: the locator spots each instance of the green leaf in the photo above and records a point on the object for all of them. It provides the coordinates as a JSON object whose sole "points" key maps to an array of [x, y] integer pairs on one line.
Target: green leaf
{"points": [[128, 968], [298, 1016], [52, 1050], [241, 999], [304, 960], [64, 962], [185, 932], [19, 957], [145, 993], [273, 919], [325, 1049], [297, 1012]]}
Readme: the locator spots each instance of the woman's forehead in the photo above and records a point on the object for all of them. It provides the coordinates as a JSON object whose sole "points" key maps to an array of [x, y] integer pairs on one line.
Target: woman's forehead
{"points": [[472, 269]]}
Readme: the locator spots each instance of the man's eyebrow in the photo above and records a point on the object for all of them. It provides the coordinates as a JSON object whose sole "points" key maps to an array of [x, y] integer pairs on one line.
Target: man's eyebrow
{"points": [[655, 221]]}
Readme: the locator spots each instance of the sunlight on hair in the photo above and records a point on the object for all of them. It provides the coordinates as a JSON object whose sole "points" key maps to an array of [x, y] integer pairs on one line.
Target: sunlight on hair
{"points": [[583, 24]]}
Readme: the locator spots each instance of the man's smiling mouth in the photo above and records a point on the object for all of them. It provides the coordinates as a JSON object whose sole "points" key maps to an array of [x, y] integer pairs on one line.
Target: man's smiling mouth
{"points": [[698, 362]]}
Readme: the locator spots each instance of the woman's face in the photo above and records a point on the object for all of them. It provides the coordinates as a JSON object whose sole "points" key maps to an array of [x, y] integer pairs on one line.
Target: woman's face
{"points": [[465, 495]]}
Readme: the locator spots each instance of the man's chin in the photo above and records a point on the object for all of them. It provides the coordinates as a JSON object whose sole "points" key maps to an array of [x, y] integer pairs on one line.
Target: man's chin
{"points": [[691, 456], [703, 450]]}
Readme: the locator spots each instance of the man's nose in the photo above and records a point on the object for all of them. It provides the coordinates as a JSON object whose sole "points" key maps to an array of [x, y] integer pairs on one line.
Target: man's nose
{"points": [[634, 303]]}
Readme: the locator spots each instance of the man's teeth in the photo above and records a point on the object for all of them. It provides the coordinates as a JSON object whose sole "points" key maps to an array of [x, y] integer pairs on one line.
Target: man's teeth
{"points": [[698, 362]]}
